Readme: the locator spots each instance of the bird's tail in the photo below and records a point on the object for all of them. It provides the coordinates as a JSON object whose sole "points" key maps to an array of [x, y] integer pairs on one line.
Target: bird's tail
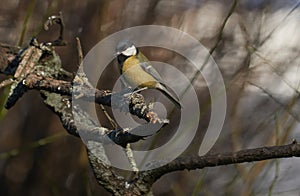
{"points": [[165, 91]]}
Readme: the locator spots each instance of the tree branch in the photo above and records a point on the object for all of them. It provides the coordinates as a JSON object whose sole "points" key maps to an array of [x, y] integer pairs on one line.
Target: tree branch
{"points": [[213, 160]]}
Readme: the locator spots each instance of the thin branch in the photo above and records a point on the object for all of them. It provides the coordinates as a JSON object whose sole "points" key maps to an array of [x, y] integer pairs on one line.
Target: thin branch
{"points": [[220, 34], [39, 82], [276, 100], [279, 24]]}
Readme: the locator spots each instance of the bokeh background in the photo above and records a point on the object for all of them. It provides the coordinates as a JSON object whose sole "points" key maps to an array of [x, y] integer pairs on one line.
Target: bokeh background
{"points": [[258, 55]]}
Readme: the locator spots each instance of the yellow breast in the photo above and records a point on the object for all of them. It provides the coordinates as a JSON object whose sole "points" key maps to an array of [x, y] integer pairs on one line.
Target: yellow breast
{"points": [[134, 74]]}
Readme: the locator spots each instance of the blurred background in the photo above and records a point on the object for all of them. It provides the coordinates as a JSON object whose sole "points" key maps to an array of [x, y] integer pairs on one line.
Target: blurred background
{"points": [[258, 55]]}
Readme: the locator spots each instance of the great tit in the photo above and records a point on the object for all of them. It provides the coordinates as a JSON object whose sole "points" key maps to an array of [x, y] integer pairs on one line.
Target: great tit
{"points": [[138, 72]]}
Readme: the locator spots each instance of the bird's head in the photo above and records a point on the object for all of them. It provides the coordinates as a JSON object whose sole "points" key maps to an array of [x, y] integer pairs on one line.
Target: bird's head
{"points": [[126, 48]]}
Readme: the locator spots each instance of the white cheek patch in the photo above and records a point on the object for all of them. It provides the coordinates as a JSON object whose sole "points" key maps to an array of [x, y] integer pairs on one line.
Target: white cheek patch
{"points": [[130, 51]]}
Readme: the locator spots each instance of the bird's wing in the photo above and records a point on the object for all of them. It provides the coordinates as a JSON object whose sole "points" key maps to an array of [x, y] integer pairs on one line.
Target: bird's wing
{"points": [[147, 67]]}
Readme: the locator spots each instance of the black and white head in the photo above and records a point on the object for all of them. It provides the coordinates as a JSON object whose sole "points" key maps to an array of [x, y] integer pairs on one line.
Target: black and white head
{"points": [[126, 48]]}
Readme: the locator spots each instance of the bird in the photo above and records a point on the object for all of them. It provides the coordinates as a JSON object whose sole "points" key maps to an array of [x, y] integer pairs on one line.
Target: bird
{"points": [[138, 72]]}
